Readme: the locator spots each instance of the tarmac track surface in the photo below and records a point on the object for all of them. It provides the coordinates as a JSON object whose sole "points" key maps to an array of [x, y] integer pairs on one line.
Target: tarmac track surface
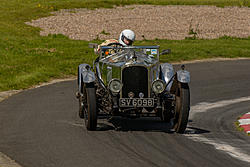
{"points": [[41, 128]]}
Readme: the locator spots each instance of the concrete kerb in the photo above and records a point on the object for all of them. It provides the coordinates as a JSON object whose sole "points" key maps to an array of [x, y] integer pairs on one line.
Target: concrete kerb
{"points": [[6, 94], [211, 60], [5, 161], [244, 122]]}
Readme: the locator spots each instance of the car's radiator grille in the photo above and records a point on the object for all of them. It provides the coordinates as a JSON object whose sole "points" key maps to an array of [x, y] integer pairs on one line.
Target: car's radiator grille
{"points": [[135, 79]]}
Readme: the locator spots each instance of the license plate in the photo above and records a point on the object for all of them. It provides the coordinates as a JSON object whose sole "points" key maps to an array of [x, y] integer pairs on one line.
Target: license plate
{"points": [[136, 102]]}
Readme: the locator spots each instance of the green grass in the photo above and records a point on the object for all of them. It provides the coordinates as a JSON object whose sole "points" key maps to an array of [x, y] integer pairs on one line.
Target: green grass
{"points": [[202, 49], [27, 59]]}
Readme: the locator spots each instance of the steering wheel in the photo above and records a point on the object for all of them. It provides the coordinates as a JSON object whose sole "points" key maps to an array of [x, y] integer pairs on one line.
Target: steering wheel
{"points": [[116, 46]]}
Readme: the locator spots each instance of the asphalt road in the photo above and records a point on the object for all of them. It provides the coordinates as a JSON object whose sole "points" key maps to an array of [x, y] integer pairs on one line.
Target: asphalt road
{"points": [[41, 128]]}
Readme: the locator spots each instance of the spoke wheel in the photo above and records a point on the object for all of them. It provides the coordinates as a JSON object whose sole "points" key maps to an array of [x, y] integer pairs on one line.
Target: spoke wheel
{"points": [[182, 107]]}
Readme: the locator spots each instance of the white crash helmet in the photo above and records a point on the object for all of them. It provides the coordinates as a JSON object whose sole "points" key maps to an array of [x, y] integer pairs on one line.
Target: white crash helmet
{"points": [[128, 35]]}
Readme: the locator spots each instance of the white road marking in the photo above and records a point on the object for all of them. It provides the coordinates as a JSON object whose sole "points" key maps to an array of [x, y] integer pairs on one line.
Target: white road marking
{"points": [[5, 161], [204, 106], [244, 121], [222, 146]]}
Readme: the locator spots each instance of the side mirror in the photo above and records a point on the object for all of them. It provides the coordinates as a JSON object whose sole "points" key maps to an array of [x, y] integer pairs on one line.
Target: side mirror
{"points": [[165, 51], [93, 45]]}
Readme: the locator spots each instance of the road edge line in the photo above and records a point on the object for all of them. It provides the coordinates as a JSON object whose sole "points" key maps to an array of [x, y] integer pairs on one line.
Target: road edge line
{"points": [[6, 161]]}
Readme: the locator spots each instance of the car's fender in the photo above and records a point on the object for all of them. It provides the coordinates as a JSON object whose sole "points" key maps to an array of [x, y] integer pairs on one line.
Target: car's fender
{"points": [[85, 74], [167, 71], [183, 76]]}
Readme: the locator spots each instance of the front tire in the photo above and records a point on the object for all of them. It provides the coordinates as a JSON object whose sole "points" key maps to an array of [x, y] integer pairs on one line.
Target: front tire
{"points": [[182, 107], [81, 107], [90, 109], [166, 113]]}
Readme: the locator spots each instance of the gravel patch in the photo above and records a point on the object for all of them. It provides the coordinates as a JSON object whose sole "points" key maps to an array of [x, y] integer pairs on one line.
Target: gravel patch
{"points": [[148, 22]]}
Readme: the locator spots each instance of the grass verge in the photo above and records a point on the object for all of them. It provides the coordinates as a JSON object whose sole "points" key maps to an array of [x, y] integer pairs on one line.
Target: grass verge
{"points": [[191, 49], [27, 59]]}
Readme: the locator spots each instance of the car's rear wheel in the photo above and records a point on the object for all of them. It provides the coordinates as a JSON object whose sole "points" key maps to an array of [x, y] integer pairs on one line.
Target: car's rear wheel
{"points": [[182, 107], [89, 106]]}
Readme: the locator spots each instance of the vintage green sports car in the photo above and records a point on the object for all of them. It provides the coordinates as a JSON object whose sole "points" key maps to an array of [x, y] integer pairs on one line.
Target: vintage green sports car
{"points": [[131, 82]]}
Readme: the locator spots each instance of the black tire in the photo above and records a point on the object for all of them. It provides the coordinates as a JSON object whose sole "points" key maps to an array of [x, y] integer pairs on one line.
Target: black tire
{"points": [[167, 114], [90, 109], [82, 101], [81, 107], [182, 107]]}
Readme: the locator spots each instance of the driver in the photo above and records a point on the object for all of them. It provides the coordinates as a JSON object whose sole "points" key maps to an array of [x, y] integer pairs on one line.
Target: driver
{"points": [[126, 38]]}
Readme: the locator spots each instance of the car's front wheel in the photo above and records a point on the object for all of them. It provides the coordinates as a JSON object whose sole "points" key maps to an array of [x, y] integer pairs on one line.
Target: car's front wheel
{"points": [[166, 113], [89, 108], [182, 107]]}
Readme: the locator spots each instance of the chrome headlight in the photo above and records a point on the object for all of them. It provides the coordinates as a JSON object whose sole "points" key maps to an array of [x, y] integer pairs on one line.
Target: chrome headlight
{"points": [[158, 86], [115, 85]]}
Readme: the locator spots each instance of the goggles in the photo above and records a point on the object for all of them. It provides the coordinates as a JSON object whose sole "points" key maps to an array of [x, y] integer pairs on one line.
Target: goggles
{"points": [[126, 40]]}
